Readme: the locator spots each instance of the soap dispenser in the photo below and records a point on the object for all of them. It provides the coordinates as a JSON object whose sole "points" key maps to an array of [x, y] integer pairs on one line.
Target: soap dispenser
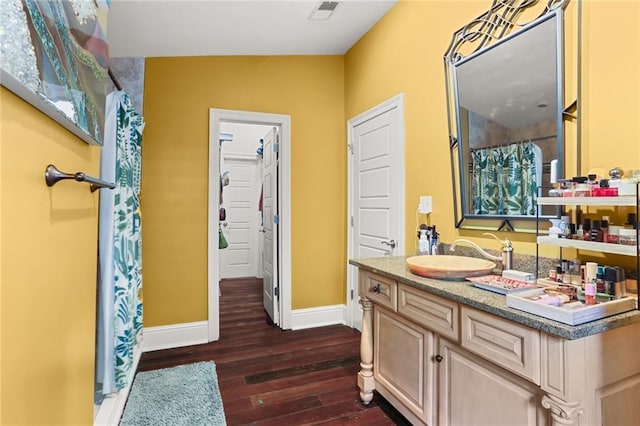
{"points": [[423, 243]]}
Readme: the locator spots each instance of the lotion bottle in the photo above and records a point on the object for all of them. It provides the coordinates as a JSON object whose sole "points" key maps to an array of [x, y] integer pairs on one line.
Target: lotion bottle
{"points": [[423, 243]]}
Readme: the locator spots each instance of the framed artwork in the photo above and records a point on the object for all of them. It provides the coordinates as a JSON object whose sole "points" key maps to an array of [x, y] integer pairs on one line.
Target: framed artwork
{"points": [[54, 54]]}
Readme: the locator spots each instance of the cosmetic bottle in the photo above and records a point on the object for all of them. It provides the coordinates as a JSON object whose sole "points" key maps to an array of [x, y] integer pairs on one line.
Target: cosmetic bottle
{"points": [[600, 280], [559, 274], [628, 237], [586, 229], [592, 181], [590, 272], [596, 232], [423, 243], [631, 222], [604, 190], [604, 228], [616, 174], [553, 179], [590, 293], [575, 273], [435, 242], [620, 287], [556, 227], [581, 187], [614, 281], [556, 191], [561, 188], [567, 190]]}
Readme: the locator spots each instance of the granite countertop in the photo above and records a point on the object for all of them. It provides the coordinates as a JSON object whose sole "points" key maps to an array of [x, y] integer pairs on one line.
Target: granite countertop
{"points": [[463, 292]]}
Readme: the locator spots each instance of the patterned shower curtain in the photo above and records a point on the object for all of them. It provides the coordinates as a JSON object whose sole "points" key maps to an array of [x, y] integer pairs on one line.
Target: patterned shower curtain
{"points": [[504, 179], [120, 281]]}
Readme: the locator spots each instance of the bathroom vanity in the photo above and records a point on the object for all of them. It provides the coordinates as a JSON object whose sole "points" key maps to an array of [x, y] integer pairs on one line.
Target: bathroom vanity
{"points": [[447, 353]]}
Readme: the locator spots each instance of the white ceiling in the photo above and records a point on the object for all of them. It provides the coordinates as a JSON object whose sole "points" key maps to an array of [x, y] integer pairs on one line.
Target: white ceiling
{"points": [[152, 28]]}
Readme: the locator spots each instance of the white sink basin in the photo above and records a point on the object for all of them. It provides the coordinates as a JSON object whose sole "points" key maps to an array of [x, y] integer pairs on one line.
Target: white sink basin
{"points": [[449, 267]]}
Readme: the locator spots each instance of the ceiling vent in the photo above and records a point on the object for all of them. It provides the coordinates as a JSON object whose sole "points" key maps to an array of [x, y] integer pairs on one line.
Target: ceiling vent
{"points": [[323, 11]]}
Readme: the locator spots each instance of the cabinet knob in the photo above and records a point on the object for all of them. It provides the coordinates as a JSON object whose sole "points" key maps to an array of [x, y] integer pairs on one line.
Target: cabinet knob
{"points": [[376, 289], [439, 358]]}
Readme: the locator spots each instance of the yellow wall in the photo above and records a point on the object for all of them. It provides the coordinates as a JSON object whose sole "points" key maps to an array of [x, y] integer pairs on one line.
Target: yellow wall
{"points": [[404, 53], [611, 88], [178, 95], [48, 277]]}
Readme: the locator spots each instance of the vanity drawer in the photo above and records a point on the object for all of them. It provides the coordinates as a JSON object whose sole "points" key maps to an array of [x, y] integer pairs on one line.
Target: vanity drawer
{"points": [[433, 312], [503, 342], [380, 290]]}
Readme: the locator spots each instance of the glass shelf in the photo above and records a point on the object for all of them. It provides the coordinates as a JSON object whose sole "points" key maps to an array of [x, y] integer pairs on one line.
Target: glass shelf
{"points": [[621, 200], [589, 245]]}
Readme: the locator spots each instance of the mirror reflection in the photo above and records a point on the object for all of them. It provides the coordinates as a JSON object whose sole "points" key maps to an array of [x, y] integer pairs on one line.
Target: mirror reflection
{"points": [[506, 127]]}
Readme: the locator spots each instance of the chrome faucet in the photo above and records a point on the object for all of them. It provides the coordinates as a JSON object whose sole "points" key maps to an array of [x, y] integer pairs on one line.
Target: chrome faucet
{"points": [[506, 257]]}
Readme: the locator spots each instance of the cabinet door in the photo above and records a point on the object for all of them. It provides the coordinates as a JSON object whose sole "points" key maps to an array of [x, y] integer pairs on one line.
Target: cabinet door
{"points": [[403, 366], [473, 391]]}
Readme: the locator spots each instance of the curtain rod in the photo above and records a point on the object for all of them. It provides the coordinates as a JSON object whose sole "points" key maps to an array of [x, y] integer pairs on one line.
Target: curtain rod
{"points": [[114, 80], [538, 139]]}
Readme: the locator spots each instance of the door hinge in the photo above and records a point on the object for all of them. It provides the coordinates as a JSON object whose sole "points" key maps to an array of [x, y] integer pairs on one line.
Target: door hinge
{"points": [[276, 219], [276, 147], [352, 221], [351, 294], [276, 291], [350, 148]]}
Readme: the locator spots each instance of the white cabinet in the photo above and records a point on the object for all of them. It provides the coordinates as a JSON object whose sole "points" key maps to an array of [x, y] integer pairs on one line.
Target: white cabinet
{"points": [[473, 391], [399, 343], [441, 362]]}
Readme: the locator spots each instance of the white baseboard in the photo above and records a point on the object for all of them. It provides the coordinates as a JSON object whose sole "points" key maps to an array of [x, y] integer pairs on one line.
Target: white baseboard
{"points": [[318, 317], [112, 407], [175, 335]]}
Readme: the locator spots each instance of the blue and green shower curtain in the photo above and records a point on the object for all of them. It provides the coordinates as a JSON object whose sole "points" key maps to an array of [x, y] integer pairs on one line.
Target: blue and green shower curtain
{"points": [[120, 250], [505, 179]]}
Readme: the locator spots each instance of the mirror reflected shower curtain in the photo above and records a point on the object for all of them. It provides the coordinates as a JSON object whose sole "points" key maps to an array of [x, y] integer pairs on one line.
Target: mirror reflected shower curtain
{"points": [[505, 179], [120, 252]]}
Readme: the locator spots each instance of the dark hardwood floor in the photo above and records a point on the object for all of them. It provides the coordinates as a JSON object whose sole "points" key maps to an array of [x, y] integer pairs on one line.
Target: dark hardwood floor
{"points": [[269, 376]]}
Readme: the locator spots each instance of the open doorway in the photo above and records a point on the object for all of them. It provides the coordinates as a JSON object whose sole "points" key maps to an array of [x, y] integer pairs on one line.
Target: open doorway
{"points": [[245, 259], [241, 212]]}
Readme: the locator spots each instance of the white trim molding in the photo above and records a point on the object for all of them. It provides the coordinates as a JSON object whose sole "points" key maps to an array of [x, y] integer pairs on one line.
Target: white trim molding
{"points": [[110, 410], [175, 335], [318, 317]]}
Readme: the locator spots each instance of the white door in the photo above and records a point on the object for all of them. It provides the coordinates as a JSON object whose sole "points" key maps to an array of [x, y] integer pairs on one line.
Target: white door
{"points": [[376, 189], [270, 225], [240, 227]]}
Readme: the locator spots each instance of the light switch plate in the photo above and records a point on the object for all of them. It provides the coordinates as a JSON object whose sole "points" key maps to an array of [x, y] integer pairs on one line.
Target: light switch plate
{"points": [[425, 205]]}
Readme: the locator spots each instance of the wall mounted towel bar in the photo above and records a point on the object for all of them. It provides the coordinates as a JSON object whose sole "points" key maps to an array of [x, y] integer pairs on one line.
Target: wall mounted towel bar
{"points": [[52, 175]]}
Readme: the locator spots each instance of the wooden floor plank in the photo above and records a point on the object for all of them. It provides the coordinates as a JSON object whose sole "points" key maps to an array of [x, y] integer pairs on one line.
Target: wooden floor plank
{"points": [[269, 376]]}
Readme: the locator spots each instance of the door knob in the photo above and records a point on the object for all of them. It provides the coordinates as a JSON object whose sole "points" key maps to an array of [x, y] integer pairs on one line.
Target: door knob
{"points": [[225, 224], [439, 358], [390, 243]]}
